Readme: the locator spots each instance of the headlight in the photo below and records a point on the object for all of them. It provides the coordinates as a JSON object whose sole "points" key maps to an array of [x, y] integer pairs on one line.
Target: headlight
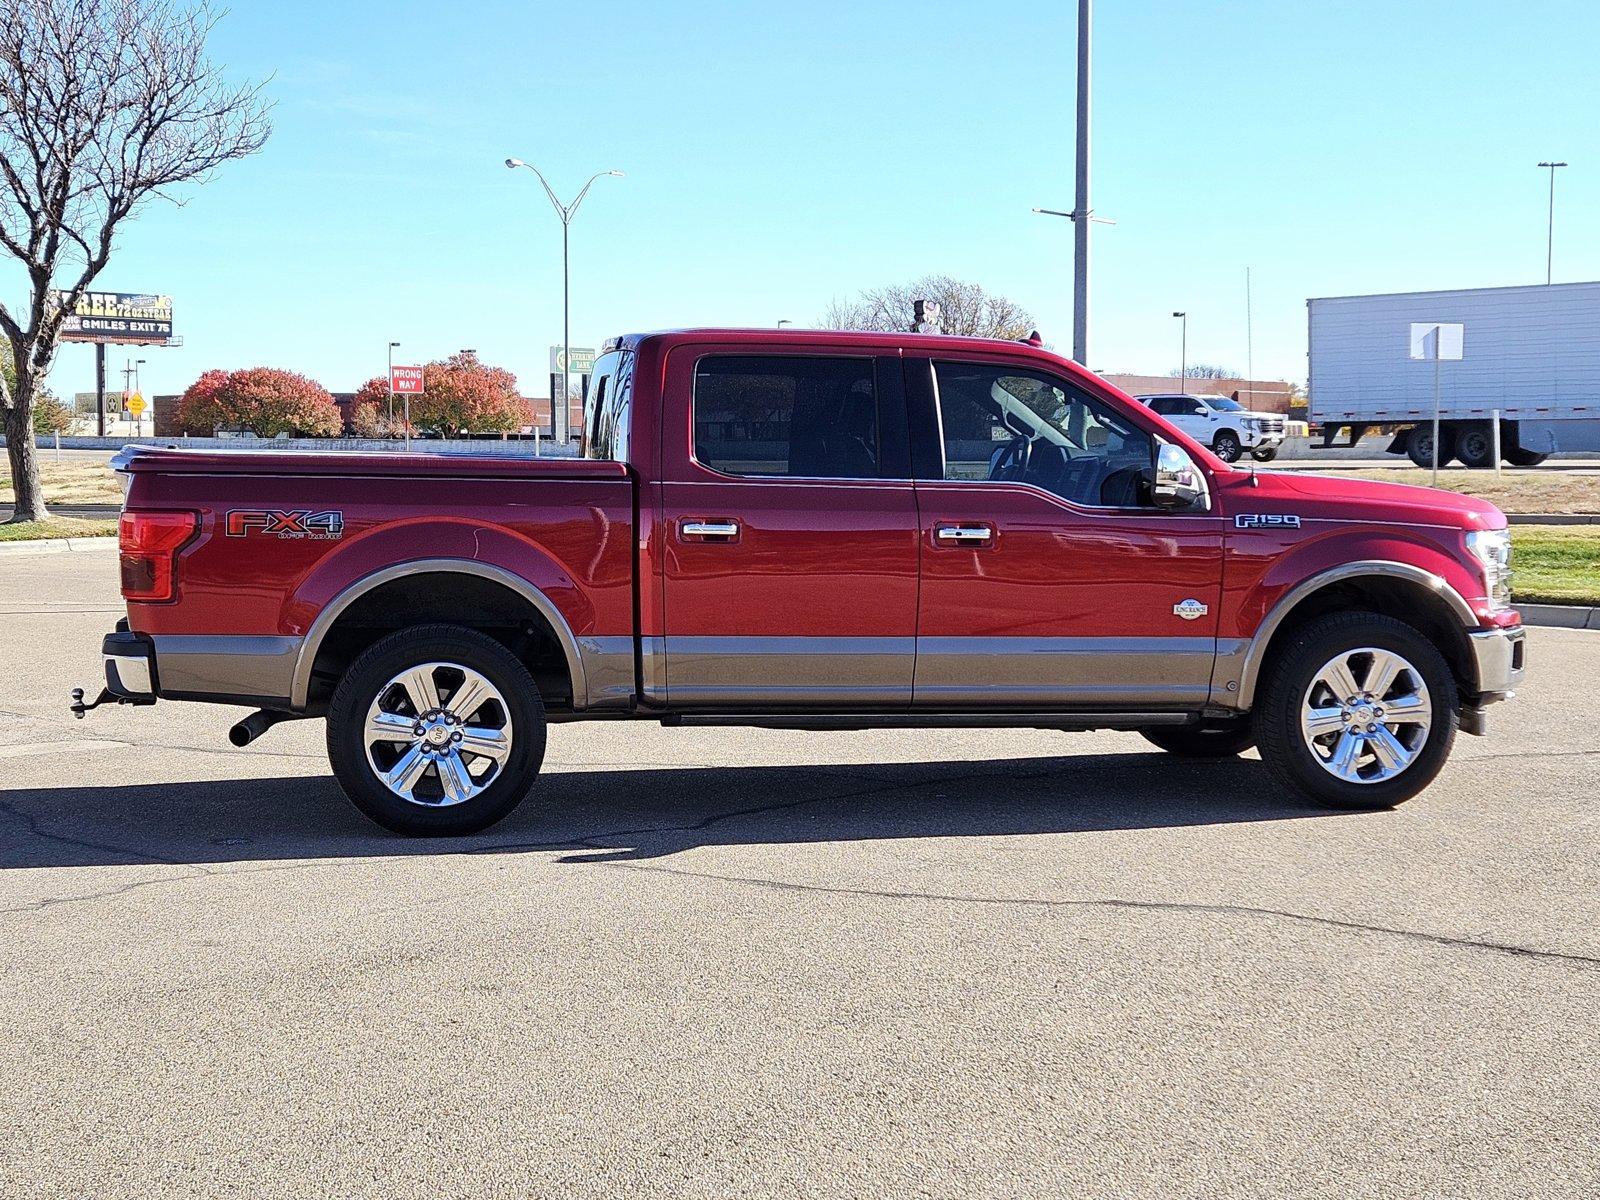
{"points": [[1492, 549]]}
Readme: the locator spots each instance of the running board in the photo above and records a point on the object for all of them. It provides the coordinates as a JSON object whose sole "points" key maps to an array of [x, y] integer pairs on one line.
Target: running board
{"points": [[822, 722]]}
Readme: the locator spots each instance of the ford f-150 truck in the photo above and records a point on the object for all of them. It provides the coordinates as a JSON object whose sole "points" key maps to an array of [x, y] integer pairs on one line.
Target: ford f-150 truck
{"points": [[815, 530]]}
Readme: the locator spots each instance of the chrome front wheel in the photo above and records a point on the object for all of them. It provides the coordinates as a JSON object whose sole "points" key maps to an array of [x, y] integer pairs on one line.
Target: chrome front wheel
{"points": [[1366, 715]]}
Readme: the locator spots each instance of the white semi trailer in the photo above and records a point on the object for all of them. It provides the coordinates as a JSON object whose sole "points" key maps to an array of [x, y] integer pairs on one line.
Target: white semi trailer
{"points": [[1529, 354]]}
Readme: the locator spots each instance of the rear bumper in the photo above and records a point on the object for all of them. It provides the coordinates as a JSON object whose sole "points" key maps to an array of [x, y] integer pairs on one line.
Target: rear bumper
{"points": [[256, 671], [130, 662]]}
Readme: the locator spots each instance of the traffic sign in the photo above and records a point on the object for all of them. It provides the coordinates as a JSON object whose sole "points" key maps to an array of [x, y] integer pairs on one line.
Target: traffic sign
{"points": [[136, 405], [582, 359], [405, 381]]}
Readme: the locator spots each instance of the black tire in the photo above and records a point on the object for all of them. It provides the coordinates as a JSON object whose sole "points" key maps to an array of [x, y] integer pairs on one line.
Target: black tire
{"points": [[1419, 445], [368, 676], [1475, 445], [1226, 446], [1190, 741], [1264, 453], [1525, 458], [1289, 676]]}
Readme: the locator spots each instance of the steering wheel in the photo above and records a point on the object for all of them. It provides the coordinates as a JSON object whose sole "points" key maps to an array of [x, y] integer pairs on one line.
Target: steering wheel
{"points": [[1010, 462]]}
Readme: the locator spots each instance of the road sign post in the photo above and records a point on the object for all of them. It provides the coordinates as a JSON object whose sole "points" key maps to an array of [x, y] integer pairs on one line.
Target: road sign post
{"points": [[406, 382], [1439, 341]]}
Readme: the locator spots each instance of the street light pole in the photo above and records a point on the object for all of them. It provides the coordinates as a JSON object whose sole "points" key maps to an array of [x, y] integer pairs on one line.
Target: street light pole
{"points": [[1550, 236], [1183, 354], [389, 380], [558, 420]]}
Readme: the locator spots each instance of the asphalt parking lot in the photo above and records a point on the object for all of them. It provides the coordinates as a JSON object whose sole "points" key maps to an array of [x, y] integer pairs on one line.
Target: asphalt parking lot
{"points": [[741, 963]]}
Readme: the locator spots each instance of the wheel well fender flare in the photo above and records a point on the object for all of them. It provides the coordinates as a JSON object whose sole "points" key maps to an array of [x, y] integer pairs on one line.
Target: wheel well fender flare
{"points": [[326, 619], [1256, 652]]}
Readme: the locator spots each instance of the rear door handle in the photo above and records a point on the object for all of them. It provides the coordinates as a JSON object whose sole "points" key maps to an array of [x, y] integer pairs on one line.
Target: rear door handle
{"points": [[964, 533], [720, 531]]}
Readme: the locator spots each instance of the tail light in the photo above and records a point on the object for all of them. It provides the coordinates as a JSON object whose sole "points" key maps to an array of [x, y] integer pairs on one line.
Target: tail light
{"points": [[150, 542]]}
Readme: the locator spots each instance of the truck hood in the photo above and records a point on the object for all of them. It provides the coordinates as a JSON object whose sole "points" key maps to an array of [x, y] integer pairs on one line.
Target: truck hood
{"points": [[1334, 498]]}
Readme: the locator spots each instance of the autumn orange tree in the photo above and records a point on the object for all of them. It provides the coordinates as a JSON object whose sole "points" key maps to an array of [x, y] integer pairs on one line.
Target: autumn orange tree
{"points": [[460, 394], [264, 400]]}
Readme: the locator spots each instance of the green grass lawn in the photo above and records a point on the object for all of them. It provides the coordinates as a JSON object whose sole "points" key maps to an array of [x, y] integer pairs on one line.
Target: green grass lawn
{"points": [[1555, 564], [56, 527]]}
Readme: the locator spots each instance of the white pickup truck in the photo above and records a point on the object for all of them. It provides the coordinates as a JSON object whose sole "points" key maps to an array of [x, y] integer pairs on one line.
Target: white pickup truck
{"points": [[1224, 424]]}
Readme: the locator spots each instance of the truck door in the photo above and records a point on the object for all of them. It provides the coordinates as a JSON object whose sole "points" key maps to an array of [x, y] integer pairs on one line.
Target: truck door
{"points": [[1047, 578], [789, 529]]}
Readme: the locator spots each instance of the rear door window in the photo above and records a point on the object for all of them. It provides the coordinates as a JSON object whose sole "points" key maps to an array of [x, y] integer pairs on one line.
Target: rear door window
{"points": [[802, 416]]}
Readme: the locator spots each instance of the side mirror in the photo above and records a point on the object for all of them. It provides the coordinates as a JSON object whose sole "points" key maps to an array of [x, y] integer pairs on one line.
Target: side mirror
{"points": [[1179, 484]]}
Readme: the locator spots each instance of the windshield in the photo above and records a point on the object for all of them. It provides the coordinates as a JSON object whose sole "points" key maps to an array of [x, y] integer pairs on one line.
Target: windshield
{"points": [[1223, 404]]}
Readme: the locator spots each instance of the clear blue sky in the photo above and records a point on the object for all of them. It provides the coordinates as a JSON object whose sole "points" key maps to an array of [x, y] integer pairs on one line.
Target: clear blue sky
{"points": [[778, 155]]}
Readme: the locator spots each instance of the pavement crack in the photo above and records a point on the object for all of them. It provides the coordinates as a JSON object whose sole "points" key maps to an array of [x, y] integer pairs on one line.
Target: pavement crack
{"points": [[1163, 906]]}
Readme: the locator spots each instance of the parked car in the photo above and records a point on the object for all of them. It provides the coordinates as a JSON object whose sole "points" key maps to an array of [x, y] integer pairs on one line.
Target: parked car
{"points": [[1221, 423], [814, 530]]}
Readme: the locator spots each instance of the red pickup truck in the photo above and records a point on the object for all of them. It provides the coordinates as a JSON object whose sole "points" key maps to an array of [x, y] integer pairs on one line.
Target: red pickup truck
{"points": [[815, 530]]}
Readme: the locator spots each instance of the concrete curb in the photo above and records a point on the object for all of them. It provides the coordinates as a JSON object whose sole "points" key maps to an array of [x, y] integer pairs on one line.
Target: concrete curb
{"points": [[1560, 616], [60, 546], [1553, 518]]}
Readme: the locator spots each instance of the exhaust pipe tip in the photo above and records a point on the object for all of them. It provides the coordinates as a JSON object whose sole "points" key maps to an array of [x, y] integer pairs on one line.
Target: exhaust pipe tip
{"points": [[257, 723]]}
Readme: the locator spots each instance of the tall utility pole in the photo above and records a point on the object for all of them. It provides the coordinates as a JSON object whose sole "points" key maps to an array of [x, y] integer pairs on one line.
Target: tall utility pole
{"points": [[1183, 354], [559, 431], [1081, 216], [1081, 209], [1550, 236]]}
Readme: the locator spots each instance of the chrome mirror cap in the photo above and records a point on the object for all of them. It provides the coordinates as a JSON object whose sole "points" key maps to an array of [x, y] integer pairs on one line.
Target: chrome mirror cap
{"points": [[1179, 484]]}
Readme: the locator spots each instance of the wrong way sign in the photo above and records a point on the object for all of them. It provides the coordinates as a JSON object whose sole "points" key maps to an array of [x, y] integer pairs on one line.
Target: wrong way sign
{"points": [[405, 380]]}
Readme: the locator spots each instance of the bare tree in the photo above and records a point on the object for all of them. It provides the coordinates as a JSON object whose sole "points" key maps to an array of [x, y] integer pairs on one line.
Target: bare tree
{"points": [[965, 309], [1208, 371], [103, 105]]}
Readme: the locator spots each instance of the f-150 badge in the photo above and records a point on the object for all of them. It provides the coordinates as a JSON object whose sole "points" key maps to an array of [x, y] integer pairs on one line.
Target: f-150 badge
{"points": [[1190, 609], [325, 526], [1266, 521]]}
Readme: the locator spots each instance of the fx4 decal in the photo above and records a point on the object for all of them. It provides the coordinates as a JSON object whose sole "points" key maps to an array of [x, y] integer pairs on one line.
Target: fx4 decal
{"points": [[1266, 521], [322, 526]]}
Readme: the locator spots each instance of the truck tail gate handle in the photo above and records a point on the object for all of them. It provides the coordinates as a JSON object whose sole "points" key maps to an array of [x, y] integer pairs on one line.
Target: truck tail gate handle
{"points": [[710, 531], [964, 533]]}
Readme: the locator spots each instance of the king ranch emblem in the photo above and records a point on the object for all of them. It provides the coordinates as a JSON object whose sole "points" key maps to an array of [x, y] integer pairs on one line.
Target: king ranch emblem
{"points": [[286, 524], [1189, 610]]}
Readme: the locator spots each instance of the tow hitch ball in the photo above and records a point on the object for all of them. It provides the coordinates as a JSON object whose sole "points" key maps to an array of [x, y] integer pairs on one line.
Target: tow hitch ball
{"points": [[106, 696]]}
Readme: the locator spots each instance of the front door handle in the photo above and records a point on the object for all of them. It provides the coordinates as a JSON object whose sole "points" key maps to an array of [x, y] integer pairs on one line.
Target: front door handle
{"points": [[718, 531], [964, 533]]}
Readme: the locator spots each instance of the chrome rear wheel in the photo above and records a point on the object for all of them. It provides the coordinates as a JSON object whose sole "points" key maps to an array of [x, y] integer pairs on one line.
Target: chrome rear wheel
{"points": [[436, 730], [438, 734]]}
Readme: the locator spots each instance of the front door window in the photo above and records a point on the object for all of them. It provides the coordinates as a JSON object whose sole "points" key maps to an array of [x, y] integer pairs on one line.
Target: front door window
{"points": [[1004, 425]]}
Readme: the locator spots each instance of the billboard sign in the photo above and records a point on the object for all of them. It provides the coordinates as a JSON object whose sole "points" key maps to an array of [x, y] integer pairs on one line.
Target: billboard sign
{"points": [[135, 318], [405, 381], [582, 359]]}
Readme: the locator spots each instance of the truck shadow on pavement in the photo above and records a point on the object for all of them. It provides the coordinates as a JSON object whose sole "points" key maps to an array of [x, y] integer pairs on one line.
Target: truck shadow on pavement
{"points": [[631, 814]]}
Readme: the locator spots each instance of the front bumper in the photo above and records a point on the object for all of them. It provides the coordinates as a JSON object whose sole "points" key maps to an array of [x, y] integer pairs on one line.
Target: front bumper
{"points": [[1260, 439], [1499, 659]]}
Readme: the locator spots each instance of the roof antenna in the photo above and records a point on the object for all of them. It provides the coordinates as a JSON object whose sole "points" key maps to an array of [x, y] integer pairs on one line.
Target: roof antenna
{"points": [[1033, 339]]}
